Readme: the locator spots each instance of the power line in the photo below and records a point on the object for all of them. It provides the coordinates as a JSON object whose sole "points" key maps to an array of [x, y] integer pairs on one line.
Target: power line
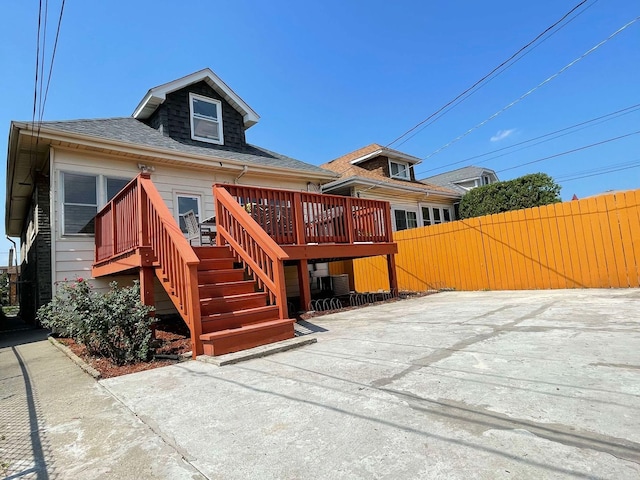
{"points": [[53, 57], [603, 172], [466, 96], [490, 73], [544, 82], [584, 124], [598, 171], [44, 54], [570, 151]]}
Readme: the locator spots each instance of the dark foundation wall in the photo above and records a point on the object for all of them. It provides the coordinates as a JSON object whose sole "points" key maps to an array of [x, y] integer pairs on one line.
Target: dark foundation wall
{"points": [[35, 276], [172, 118]]}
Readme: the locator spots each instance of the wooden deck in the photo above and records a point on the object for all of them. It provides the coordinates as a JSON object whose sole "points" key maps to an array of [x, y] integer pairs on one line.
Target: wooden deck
{"points": [[259, 229]]}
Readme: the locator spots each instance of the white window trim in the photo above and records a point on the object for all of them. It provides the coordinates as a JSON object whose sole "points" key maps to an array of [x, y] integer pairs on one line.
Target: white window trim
{"points": [[195, 96], [442, 208], [63, 203], [407, 174], [405, 209], [101, 197], [176, 205]]}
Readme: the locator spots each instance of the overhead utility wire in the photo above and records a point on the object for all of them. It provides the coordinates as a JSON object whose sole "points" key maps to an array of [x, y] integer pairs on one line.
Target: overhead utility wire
{"points": [[44, 54], [598, 171], [475, 90], [489, 74], [35, 87], [525, 95], [53, 57], [570, 151], [585, 124], [612, 170]]}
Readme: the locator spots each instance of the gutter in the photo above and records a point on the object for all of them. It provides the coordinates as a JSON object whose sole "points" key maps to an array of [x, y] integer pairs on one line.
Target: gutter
{"points": [[373, 184]]}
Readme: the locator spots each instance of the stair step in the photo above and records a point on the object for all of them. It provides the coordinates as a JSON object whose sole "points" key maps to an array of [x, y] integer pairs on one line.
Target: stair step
{"points": [[248, 336], [232, 303], [222, 321], [227, 288], [219, 276], [215, 264], [212, 252]]}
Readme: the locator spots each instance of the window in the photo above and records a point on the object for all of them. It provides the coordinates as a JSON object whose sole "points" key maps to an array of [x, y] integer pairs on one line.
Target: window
{"points": [[426, 217], [82, 194], [405, 219], [114, 185], [399, 170], [206, 119], [80, 204], [485, 180], [433, 215], [186, 203]]}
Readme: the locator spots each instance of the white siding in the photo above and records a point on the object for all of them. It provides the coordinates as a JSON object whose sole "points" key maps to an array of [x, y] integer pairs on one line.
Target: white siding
{"points": [[73, 255]]}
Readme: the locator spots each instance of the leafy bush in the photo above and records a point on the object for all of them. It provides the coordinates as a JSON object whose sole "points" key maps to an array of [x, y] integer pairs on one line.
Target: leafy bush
{"points": [[533, 190], [114, 324]]}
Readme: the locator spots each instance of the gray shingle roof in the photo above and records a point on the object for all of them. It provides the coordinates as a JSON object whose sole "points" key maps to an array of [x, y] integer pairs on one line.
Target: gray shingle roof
{"points": [[448, 179], [132, 131]]}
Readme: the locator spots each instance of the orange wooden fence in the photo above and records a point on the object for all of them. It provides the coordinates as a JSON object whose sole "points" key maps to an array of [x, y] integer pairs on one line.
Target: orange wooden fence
{"points": [[593, 242]]}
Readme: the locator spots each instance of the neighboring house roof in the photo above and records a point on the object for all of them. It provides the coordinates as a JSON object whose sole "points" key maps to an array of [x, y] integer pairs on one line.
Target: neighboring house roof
{"points": [[351, 173], [132, 131], [450, 179], [157, 95]]}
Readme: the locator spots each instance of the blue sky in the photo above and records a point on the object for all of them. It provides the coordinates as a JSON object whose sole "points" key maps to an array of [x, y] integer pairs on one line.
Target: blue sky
{"points": [[330, 77]]}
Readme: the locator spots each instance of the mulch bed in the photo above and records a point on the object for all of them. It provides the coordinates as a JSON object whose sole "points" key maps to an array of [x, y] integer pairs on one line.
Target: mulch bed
{"points": [[171, 339]]}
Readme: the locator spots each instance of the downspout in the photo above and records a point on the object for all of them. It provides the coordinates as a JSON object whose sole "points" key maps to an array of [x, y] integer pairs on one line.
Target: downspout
{"points": [[245, 168], [15, 256]]}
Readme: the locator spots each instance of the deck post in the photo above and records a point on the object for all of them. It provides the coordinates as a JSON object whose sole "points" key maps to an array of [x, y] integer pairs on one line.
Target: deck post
{"points": [[147, 275], [303, 282], [393, 277]]}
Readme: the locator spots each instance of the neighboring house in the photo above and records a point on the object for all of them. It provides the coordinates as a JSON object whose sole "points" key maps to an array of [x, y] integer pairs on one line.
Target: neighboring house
{"points": [[381, 173], [463, 179], [103, 198]]}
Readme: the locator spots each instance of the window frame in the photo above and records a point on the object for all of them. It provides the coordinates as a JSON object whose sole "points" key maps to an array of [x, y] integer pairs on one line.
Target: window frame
{"points": [[64, 204], [192, 115], [101, 197], [442, 210], [405, 210], [176, 209], [406, 174]]}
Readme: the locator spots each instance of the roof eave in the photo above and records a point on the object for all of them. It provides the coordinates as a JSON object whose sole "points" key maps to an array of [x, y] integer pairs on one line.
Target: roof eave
{"points": [[342, 182], [88, 140]]}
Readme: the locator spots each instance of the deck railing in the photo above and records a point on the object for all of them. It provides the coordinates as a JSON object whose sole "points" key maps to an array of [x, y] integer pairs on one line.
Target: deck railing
{"points": [[298, 218], [138, 219], [251, 244]]}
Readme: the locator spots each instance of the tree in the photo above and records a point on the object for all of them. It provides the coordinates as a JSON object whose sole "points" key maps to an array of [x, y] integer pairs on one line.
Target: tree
{"points": [[533, 190]]}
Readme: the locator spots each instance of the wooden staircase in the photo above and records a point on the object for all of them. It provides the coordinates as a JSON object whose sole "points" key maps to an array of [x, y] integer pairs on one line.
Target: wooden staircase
{"points": [[234, 315]]}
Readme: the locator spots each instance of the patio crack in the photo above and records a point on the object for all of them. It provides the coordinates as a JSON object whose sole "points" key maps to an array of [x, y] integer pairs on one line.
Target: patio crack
{"points": [[480, 420], [442, 353]]}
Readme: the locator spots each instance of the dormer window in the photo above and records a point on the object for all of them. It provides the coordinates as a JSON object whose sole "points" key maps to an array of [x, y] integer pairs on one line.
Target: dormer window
{"points": [[399, 170], [206, 119]]}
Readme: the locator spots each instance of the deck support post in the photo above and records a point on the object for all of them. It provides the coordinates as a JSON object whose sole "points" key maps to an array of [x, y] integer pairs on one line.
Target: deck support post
{"points": [[393, 277], [147, 275], [303, 282]]}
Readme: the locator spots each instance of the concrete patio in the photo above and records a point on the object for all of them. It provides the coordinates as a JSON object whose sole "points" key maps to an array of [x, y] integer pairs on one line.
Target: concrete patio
{"points": [[527, 384]]}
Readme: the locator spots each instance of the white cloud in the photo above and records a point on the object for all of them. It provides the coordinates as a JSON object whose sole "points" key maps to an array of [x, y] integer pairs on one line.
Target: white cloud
{"points": [[502, 134]]}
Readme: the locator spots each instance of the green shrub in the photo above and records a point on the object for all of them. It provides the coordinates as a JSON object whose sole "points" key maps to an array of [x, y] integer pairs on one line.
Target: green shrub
{"points": [[114, 324]]}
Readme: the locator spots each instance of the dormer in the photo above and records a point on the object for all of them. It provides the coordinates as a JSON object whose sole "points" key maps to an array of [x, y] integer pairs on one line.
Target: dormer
{"points": [[388, 162], [199, 109]]}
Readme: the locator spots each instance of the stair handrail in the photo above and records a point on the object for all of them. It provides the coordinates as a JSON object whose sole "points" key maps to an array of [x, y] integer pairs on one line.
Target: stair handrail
{"points": [[139, 214], [252, 246]]}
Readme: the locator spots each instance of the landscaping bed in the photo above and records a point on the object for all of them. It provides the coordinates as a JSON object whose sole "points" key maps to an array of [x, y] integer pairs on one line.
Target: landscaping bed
{"points": [[171, 342]]}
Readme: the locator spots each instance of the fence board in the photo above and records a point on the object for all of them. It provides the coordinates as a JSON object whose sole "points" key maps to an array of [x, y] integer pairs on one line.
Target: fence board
{"points": [[593, 242]]}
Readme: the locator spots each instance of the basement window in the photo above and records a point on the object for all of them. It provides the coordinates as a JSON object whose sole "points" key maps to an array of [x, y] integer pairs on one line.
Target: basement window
{"points": [[206, 119]]}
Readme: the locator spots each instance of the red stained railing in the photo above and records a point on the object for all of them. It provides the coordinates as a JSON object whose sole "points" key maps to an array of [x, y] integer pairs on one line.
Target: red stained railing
{"points": [[296, 218], [251, 245], [137, 219]]}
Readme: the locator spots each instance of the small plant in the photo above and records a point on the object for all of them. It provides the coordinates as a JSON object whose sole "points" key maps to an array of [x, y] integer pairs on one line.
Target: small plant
{"points": [[114, 324]]}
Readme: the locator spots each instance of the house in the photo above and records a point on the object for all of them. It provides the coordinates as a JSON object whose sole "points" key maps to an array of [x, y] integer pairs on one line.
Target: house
{"points": [[463, 179], [106, 198], [381, 173]]}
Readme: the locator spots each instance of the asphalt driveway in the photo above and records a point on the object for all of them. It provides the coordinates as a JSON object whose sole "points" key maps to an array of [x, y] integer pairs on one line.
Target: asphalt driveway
{"points": [[542, 384]]}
